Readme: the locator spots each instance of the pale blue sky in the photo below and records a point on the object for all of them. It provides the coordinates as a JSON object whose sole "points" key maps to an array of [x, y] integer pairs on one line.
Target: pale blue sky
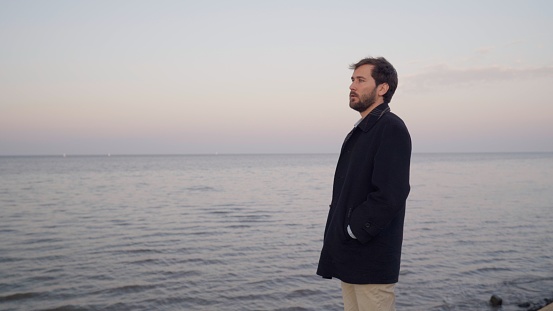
{"points": [[178, 77]]}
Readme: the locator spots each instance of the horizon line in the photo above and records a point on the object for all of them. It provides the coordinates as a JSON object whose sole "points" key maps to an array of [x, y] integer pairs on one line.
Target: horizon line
{"points": [[250, 153]]}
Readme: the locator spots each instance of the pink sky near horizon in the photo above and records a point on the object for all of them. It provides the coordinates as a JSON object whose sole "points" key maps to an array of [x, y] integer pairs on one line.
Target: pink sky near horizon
{"points": [[179, 77]]}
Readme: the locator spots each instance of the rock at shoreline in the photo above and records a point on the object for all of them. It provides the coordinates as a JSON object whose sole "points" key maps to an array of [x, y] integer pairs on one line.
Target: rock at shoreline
{"points": [[496, 301], [536, 306]]}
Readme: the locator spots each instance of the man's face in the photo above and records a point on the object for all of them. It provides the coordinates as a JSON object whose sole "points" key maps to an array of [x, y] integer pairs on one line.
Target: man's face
{"points": [[362, 89]]}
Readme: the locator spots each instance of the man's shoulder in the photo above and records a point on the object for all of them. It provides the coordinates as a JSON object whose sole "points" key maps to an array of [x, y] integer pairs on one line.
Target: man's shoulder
{"points": [[393, 119]]}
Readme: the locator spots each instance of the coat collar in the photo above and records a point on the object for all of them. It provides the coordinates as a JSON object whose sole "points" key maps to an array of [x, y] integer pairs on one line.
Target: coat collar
{"points": [[370, 120]]}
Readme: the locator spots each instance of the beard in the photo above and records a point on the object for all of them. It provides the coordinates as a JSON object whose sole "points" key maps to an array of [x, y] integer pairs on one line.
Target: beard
{"points": [[363, 102]]}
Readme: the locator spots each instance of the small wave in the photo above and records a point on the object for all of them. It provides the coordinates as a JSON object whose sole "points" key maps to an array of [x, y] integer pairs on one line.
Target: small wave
{"points": [[220, 212], [18, 296], [66, 308], [49, 258], [143, 251], [300, 293], [490, 269], [253, 218], [181, 274], [126, 289], [201, 189], [237, 226], [202, 261], [9, 259], [44, 241], [146, 262], [8, 231]]}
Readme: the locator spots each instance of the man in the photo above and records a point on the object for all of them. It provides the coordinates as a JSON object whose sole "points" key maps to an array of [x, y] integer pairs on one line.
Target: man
{"points": [[364, 229]]}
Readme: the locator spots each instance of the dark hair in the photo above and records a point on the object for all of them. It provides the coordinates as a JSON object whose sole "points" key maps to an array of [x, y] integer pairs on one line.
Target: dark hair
{"points": [[383, 72]]}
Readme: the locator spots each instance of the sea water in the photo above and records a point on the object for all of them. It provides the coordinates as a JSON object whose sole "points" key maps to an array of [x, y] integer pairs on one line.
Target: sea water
{"points": [[244, 232]]}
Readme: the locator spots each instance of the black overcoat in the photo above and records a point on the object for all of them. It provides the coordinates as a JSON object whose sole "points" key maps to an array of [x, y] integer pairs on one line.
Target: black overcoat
{"points": [[371, 185]]}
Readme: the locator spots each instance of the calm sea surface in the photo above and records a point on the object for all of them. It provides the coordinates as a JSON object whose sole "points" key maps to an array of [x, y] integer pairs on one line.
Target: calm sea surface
{"points": [[243, 232]]}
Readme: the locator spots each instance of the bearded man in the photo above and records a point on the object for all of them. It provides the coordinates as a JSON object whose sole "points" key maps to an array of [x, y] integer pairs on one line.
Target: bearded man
{"points": [[364, 229]]}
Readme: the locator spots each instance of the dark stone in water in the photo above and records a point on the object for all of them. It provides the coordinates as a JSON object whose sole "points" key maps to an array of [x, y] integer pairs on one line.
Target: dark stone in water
{"points": [[524, 305], [496, 301], [531, 306], [534, 308]]}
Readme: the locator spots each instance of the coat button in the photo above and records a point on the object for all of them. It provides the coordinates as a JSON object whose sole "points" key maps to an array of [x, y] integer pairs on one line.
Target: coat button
{"points": [[367, 225]]}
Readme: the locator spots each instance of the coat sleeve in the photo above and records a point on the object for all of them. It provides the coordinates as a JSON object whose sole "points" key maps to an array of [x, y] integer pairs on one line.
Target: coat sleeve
{"points": [[390, 184]]}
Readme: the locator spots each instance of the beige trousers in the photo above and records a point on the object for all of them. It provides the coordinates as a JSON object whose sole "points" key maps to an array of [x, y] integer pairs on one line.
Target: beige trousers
{"points": [[369, 297]]}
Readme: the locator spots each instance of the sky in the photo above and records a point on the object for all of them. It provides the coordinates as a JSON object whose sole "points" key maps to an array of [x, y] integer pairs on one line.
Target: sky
{"points": [[205, 77]]}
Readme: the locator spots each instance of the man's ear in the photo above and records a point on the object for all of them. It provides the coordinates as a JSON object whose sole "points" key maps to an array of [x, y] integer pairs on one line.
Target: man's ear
{"points": [[382, 88]]}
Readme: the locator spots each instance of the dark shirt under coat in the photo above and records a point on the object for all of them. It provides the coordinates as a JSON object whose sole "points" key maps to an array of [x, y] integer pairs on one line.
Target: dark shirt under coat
{"points": [[371, 185]]}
